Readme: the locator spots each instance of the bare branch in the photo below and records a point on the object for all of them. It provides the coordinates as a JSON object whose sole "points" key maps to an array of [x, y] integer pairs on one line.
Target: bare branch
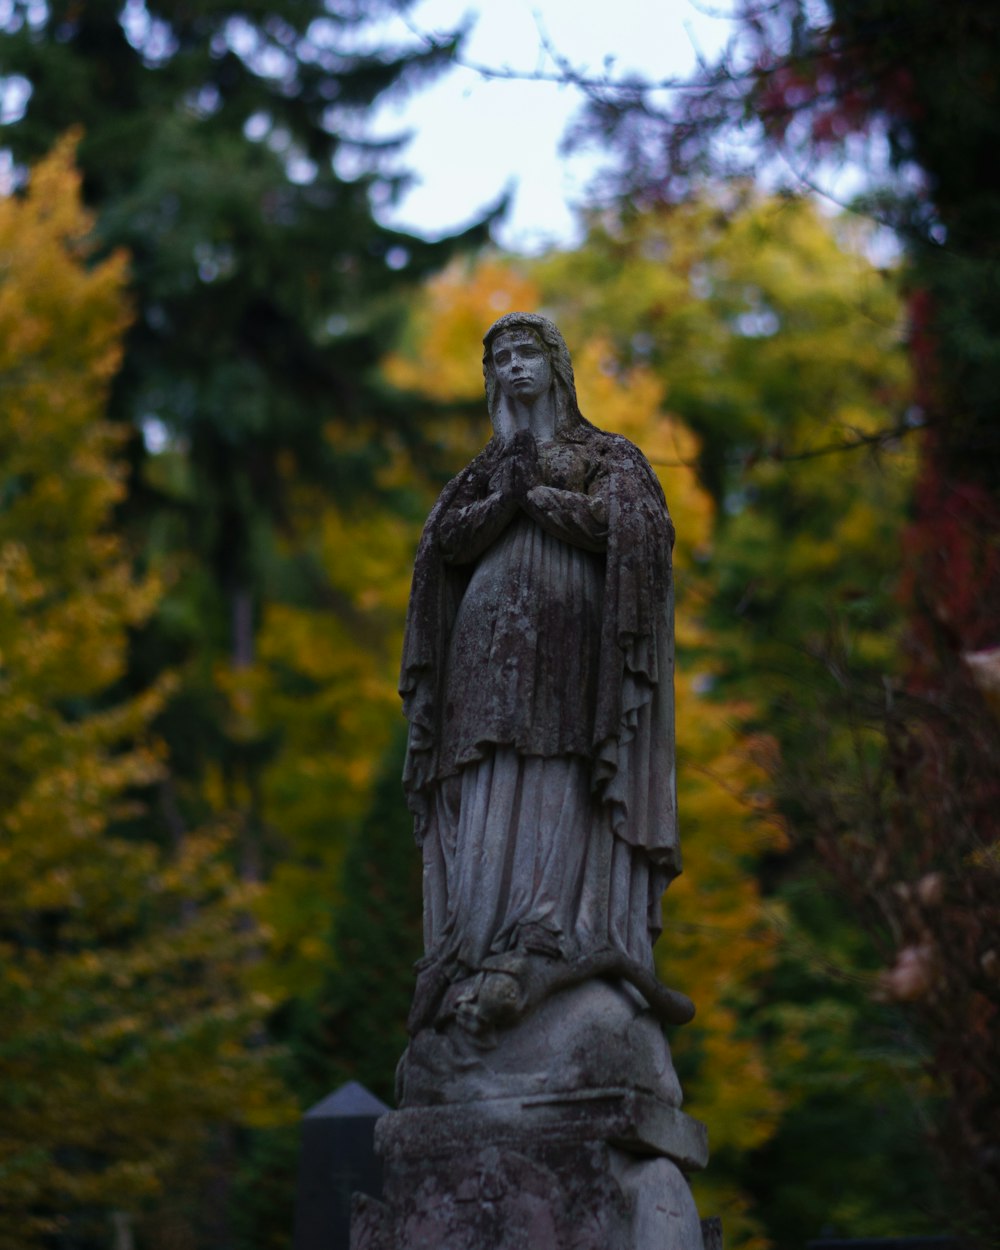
{"points": [[776, 453], [564, 73]]}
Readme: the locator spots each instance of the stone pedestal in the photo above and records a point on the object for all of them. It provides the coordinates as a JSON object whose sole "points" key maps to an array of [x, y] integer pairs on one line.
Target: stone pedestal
{"points": [[597, 1170]]}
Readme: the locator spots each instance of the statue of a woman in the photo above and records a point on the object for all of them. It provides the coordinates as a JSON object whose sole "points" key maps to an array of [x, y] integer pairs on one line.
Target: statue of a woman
{"points": [[537, 679]]}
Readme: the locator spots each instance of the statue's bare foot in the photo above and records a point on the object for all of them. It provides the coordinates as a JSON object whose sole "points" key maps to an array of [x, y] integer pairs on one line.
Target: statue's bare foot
{"points": [[499, 998], [492, 1000]]}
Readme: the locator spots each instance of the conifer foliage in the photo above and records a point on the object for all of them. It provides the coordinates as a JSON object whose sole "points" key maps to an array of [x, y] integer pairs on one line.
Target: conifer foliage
{"points": [[223, 146]]}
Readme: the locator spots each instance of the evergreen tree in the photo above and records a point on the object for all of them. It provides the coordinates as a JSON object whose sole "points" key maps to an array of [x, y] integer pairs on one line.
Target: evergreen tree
{"points": [[223, 146], [377, 939]]}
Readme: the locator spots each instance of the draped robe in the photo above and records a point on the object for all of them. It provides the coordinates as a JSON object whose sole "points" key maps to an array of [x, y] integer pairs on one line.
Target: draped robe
{"points": [[537, 679]]}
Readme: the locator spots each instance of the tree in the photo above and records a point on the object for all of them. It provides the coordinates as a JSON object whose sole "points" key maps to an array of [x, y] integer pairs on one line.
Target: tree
{"points": [[224, 145], [323, 688], [127, 1030], [780, 343], [912, 87]]}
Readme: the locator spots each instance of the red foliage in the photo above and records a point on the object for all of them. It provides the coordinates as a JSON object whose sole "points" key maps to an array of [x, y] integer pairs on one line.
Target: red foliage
{"points": [[782, 92], [923, 352], [838, 89], [952, 573], [931, 876]]}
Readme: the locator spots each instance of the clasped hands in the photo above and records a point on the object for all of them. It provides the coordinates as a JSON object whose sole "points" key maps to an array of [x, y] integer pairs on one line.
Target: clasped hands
{"points": [[520, 471]]}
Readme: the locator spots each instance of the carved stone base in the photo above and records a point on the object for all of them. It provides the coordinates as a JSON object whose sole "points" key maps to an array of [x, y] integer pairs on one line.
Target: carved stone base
{"points": [[599, 1170], [586, 1037]]}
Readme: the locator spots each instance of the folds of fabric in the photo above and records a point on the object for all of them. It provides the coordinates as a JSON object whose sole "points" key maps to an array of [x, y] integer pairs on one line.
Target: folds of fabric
{"points": [[512, 861], [538, 684]]}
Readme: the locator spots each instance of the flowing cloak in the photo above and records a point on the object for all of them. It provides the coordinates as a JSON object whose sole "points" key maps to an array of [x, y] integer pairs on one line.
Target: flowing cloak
{"points": [[630, 740]]}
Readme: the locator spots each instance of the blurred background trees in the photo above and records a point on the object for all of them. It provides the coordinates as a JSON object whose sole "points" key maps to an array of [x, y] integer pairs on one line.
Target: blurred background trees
{"points": [[223, 148], [911, 91], [128, 1030], [227, 399]]}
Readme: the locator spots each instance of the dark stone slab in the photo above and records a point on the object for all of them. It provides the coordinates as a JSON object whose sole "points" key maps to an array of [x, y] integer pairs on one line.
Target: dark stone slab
{"points": [[351, 1102], [711, 1233], [337, 1159]]}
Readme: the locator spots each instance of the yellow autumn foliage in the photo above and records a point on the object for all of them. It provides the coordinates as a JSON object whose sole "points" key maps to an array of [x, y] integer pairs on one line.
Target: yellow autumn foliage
{"points": [[461, 304], [324, 678], [120, 959]]}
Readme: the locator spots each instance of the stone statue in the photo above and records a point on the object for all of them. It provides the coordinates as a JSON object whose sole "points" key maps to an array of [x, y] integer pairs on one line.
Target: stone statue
{"points": [[537, 679], [539, 1106]]}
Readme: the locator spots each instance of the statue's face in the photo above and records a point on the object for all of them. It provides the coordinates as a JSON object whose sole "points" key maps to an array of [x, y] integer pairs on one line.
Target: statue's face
{"points": [[522, 365]]}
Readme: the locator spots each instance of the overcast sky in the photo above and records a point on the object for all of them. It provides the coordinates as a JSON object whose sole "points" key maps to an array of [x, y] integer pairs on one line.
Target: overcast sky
{"points": [[473, 137]]}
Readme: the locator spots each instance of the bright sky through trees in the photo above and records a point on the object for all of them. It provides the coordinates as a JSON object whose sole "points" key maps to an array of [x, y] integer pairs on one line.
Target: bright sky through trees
{"points": [[473, 136]]}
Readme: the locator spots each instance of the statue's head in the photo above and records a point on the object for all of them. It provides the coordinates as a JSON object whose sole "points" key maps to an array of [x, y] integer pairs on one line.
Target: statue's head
{"points": [[554, 346]]}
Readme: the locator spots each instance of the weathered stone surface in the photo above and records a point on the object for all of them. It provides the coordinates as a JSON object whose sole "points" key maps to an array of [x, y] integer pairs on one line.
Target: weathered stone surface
{"points": [[591, 1036], [661, 1211], [537, 679], [599, 1169], [624, 1118], [547, 1195]]}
